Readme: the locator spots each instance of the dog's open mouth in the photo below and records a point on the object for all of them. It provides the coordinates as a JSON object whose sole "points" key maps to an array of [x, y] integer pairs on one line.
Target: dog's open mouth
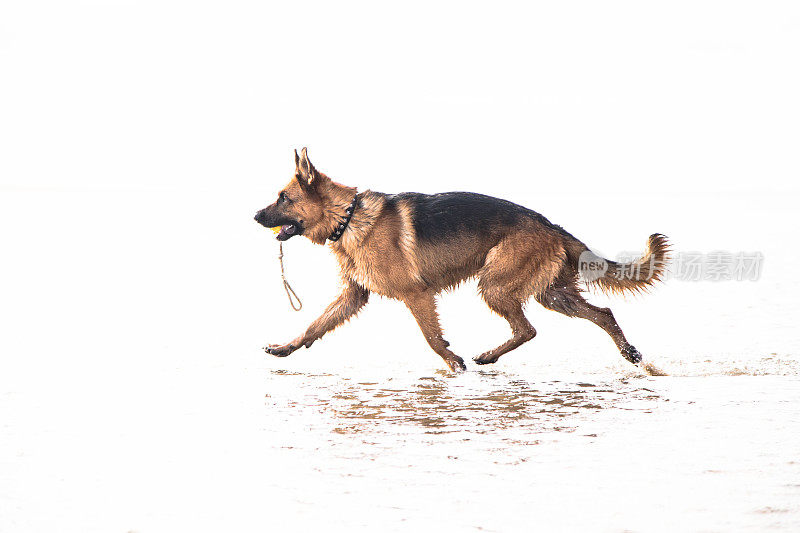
{"points": [[287, 231]]}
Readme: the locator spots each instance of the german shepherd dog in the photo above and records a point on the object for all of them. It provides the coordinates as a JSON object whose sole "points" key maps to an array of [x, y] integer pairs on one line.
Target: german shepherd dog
{"points": [[412, 246]]}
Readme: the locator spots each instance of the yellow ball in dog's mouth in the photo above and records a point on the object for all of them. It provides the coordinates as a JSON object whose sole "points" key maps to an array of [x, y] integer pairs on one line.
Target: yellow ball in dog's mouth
{"points": [[276, 229]]}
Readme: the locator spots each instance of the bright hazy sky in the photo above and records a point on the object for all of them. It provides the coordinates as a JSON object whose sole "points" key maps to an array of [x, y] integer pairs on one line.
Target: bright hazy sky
{"points": [[546, 96]]}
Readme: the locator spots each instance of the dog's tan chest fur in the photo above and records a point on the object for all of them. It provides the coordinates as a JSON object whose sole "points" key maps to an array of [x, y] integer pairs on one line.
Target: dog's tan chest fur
{"points": [[383, 258]]}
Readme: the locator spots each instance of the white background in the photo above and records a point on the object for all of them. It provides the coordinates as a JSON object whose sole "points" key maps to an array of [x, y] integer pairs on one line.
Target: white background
{"points": [[516, 97], [137, 140]]}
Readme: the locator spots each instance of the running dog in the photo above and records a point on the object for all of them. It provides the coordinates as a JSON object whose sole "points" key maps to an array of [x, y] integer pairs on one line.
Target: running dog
{"points": [[412, 246]]}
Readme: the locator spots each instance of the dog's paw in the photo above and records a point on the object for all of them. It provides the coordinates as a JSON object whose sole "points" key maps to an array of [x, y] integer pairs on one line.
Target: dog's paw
{"points": [[486, 358], [631, 354], [456, 364], [279, 350]]}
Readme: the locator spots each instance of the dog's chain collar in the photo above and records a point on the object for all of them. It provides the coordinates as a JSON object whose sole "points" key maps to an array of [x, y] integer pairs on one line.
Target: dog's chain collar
{"points": [[337, 233]]}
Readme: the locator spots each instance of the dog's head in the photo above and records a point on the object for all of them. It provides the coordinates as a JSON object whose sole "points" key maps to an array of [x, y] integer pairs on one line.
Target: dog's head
{"points": [[307, 204]]}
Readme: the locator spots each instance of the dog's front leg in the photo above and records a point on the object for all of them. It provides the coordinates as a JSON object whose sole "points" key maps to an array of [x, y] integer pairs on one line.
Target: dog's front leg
{"points": [[352, 298], [423, 307]]}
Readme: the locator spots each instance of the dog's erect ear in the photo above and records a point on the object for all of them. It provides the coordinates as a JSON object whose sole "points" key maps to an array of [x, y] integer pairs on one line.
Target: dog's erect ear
{"points": [[301, 170], [306, 173], [308, 168]]}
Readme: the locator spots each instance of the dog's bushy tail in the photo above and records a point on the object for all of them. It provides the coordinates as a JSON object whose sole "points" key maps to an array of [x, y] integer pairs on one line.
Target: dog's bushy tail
{"points": [[621, 278]]}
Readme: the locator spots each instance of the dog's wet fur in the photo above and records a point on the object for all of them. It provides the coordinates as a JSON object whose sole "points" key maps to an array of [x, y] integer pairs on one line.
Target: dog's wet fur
{"points": [[411, 246]]}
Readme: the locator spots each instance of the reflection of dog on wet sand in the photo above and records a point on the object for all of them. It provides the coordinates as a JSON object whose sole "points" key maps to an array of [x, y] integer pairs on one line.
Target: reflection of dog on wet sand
{"points": [[411, 246]]}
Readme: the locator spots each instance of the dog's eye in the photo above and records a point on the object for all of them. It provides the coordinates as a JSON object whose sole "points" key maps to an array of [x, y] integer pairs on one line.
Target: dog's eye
{"points": [[281, 198]]}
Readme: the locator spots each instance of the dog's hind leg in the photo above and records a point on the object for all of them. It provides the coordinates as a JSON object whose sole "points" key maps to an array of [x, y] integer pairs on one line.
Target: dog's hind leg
{"points": [[517, 266], [423, 307], [565, 297], [511, 309]]}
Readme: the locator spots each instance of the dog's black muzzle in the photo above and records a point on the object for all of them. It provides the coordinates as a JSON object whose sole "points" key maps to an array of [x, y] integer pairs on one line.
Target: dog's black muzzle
{"points": [[263, 218], [289, 227]]}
